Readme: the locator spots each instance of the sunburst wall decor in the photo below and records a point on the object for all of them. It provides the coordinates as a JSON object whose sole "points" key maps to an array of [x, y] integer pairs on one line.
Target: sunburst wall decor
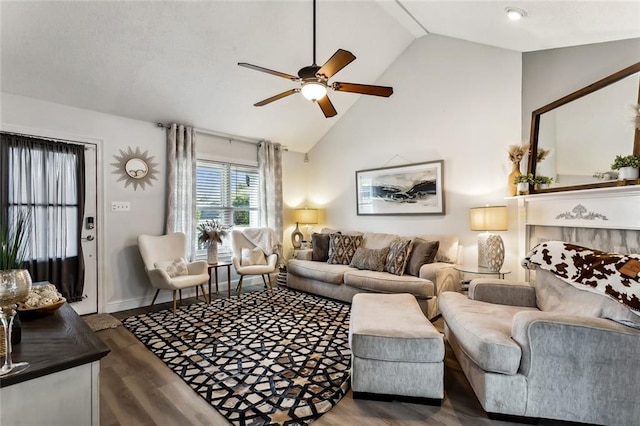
{"points": [[135, 167]]}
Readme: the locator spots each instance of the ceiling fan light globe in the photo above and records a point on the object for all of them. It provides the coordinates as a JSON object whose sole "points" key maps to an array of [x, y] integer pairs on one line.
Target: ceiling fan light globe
{"points": [[314, 91]]}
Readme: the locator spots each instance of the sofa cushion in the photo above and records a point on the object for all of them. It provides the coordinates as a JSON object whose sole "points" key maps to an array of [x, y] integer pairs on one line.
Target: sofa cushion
{"points": [[377, 240], [398, 255], [342, 247], [370, 259], [422, 252], [320, 271], [383, 282], [483, 331], [320, 247], [553, 294]]}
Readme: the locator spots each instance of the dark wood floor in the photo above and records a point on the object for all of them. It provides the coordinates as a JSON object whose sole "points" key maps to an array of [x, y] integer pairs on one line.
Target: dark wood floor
{"points": [[136, 388]]}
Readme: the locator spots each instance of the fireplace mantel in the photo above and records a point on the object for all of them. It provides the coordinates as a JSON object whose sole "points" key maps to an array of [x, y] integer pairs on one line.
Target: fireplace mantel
{"points": [[599, 208]]}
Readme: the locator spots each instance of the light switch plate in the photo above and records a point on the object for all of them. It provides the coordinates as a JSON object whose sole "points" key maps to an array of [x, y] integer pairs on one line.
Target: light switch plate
{"points": [[120, 206]]}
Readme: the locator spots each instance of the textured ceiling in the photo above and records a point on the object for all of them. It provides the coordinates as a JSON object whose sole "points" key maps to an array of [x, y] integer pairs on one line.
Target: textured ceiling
{"points": [[176, 61]]}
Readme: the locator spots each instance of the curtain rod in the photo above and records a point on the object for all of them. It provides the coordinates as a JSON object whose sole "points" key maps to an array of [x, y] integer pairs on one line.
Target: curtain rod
{"points": [[221, 135]]}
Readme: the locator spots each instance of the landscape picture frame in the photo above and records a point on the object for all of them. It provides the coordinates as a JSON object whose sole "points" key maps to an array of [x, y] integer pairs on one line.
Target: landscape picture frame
{"points": [[410, 189]]}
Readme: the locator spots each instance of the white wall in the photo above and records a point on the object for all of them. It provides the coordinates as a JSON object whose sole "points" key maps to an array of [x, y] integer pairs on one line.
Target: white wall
{"points": [[453, 100], [122, 281]]}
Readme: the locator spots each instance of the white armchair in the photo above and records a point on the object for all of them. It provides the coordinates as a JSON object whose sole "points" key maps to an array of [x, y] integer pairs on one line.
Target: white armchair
{"points": [[264, 266], [163, 258]]}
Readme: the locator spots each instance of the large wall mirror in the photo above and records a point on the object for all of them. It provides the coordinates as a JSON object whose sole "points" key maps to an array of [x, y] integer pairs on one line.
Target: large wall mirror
{"points": [[585, 130]]}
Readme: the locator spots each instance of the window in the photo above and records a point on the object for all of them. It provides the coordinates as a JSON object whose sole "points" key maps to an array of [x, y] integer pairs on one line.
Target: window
{"points": [[228, 193]]}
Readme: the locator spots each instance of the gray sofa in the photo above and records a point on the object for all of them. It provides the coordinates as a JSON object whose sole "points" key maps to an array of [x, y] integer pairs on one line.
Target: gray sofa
{"points": [[546, 350], [342, 282]]}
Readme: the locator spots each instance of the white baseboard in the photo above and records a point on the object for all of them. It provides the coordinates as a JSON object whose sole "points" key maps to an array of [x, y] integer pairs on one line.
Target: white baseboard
{"points": [[166, 296]]}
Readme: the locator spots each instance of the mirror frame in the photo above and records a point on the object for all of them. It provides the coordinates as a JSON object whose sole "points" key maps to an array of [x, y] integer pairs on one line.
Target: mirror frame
{"points": [[535, 127]]}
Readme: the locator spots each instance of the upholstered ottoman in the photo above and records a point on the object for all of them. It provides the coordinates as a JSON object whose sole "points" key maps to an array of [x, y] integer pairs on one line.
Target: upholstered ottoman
{"points": [[396, 351]]}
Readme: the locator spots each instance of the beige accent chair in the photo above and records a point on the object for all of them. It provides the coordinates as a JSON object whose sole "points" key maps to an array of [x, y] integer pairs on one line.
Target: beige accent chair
{"points": [[155, 249], [238, 242]]}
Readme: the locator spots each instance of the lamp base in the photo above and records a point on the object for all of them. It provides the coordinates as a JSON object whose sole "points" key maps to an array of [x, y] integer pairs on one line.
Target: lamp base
{"points": [[490, 252], [296, 237]]}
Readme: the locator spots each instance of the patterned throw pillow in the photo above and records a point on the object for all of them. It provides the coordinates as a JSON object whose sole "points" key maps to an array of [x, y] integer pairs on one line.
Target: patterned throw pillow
{"points": [[342, 248], [398, 255], [253, 256], [174, 268], [423, 252], [370, 259]]}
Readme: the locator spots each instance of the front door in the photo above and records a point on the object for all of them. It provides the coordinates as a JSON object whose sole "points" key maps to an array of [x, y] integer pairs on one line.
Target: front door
{"points": [[88, 241]]}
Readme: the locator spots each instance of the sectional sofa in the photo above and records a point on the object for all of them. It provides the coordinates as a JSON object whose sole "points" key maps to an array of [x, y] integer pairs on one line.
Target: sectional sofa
{"points": [[343, 280]]}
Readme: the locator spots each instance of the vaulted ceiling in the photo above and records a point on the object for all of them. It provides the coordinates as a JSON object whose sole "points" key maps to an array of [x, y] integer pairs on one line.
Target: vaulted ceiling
{"points": [[177, 61]]}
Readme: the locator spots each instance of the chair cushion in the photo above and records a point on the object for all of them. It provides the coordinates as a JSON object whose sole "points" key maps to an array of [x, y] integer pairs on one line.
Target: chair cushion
{"points": [[370, 259], [342, 247], [422, 252], [383, 282], [174, 268], [253, 256], [398, 255], [185, 281], [319, 271], [483, 331]]}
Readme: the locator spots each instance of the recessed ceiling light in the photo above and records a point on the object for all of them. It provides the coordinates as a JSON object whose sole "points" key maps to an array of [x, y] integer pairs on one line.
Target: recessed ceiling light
{"points": [[514, 13]]}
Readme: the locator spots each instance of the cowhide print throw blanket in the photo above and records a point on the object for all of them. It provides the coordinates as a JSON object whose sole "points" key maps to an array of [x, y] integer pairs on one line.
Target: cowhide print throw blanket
{"points": [[587, 269]]}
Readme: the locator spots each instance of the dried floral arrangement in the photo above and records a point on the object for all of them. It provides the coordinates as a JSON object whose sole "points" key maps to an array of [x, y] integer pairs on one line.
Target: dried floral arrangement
{"points": [[212, 231], [542, 154], [636, 109], [517, 152]]}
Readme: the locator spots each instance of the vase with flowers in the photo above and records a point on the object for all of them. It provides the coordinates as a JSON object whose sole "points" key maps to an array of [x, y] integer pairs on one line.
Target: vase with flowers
{"points": [[211, 234], [516, 153]]}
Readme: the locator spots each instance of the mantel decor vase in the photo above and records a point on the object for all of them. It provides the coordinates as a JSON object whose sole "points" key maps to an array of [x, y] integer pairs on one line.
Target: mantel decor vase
{"points": [[515, 172], [212, 253]]}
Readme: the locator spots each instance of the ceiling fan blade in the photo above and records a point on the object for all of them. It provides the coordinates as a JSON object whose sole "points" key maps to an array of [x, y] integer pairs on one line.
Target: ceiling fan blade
{"points": [[268, 71], [339, 60], [327, 107], [276, 97], [364, 89]]}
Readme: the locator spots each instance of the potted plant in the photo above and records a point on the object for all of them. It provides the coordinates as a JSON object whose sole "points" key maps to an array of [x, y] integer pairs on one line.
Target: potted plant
{"points": [[211, 233], [15, 281], [628, 165], [522, 183], [542, 182]]}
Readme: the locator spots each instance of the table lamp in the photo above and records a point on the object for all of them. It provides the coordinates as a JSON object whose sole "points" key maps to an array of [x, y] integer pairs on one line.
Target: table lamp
{"points": [[490, 246], [306, 217]]}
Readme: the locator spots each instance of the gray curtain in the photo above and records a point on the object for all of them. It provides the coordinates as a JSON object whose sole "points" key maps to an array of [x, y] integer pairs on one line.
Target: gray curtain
{"points": [[270, 169], [181, 184]]}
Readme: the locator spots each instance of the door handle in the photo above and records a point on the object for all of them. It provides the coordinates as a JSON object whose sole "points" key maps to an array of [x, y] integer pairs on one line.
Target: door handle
{"points": [[88, 238]]}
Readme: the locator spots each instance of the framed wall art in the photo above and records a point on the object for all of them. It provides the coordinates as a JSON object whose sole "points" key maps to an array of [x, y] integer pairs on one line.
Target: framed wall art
{"points": [[412, 189]]}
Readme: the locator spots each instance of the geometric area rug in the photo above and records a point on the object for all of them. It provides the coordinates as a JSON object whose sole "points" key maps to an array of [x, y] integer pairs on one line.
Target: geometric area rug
{"points": [[259, 358]]}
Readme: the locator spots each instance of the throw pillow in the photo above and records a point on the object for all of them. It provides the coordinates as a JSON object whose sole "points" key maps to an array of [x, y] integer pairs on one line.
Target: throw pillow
{"points": [[370, 259], [398, 255], [253, 256], [174, 268], [423, 252], [342, 248], [320, 246]]}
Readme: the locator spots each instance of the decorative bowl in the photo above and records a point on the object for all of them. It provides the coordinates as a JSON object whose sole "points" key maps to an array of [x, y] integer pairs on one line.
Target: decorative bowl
{"points": [[26, 311]]}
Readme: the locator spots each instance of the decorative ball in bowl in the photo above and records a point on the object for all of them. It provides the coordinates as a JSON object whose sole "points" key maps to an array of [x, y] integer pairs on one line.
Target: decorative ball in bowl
{"points": [[42, 300]]}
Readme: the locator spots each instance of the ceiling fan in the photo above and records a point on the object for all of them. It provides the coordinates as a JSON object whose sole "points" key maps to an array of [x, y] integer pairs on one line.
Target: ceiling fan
{"points": [[315, 79]]}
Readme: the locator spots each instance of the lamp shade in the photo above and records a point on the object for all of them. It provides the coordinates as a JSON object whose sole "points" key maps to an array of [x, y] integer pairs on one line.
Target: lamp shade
{"points": [[306, 216], [490, 218]]}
